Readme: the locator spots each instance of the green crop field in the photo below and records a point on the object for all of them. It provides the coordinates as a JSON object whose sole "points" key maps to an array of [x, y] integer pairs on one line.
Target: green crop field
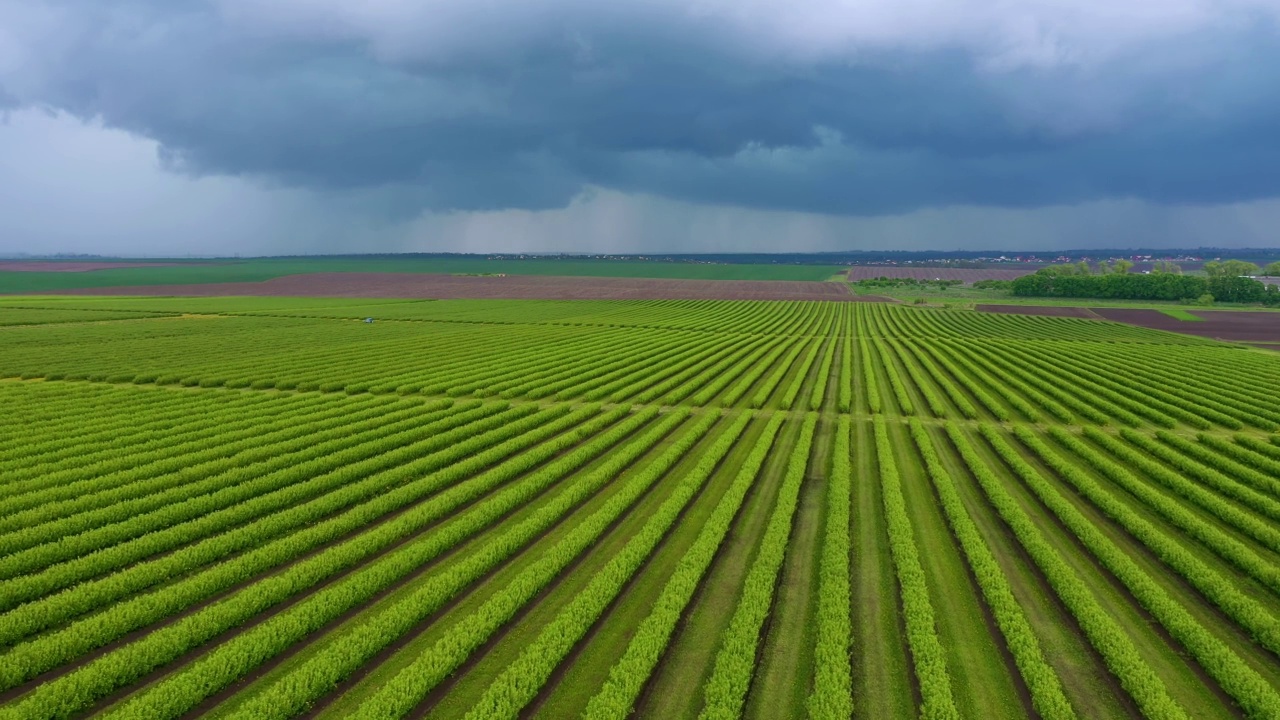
{"points": [[257, 270], [266, 508]]}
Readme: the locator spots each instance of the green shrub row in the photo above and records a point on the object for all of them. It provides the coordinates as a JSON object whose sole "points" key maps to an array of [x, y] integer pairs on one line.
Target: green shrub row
{"points": [[819, 391], [562, 367], [927, 654], [775, 378], [140, 610], [1207, 399], [181, 690], [922, 383], [832, 694], [754, 372], [150, 487], [653, 385], [1242, 454], [620, 359], [649, 362], [73, 486], [1268, 484], [1156, 402], [719, 372], [735, 664], [1085, 381], [793, 390], [948, 386], [709, 386], [875, 400], [1106, 635], [1208, 581], [1260, 447], [334, 468], [399, 695], [1180, 483], [52, 649], [647, 645], [520, 681], [56, 463], [1046, 383], [339, 654], [1011, 383], [905, 406], [1041, 679], [844, 403], [1254, 694]]}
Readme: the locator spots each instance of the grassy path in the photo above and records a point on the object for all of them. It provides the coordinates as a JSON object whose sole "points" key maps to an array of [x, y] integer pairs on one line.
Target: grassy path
{"points": [[882, 686], [785, 674], [589, 667], [676, 688], [1085, 680], [981, 679], [1186, 683]]}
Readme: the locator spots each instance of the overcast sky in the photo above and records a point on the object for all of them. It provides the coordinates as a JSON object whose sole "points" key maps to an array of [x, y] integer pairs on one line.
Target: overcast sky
{"points": [[173, 127]]}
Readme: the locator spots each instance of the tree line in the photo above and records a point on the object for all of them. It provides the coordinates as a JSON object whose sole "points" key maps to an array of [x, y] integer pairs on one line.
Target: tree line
{"points": [[1223, 281]]}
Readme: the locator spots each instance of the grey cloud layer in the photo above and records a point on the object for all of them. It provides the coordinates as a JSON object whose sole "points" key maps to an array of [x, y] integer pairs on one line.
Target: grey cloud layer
{"points": [[819, 106]]}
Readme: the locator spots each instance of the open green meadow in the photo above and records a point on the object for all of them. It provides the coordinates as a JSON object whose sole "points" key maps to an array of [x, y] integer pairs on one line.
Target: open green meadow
{"points": [[267, 508], [258, 270]]}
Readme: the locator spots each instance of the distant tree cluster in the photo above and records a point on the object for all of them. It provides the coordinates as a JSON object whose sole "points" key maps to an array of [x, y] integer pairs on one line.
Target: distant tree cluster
{"points": [[1226, 281], [1230, 268]]}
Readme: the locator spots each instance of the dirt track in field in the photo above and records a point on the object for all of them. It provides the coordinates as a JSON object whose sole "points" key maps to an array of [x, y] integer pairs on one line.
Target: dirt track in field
{"points": [[77, 267], [1233, 326], [967, 275], [532, 287], [1049, 310]]}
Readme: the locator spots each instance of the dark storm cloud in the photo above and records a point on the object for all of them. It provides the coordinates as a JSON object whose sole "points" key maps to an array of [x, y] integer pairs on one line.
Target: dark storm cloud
{"points": [[454, 110]]}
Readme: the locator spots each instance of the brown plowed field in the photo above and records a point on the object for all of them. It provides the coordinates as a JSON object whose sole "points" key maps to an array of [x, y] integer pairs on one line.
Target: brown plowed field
{"points": [[1243, 326], [34, 266], [418, 285], [966, 275], [1050, 310]]}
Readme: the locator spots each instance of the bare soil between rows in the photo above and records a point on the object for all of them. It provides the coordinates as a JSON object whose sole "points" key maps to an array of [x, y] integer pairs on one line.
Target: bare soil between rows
{"points": [[530, 287]]}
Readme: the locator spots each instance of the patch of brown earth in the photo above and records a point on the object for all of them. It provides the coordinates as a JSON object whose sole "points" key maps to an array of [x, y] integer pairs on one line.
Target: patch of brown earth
{"points": [[1233, 326]]}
